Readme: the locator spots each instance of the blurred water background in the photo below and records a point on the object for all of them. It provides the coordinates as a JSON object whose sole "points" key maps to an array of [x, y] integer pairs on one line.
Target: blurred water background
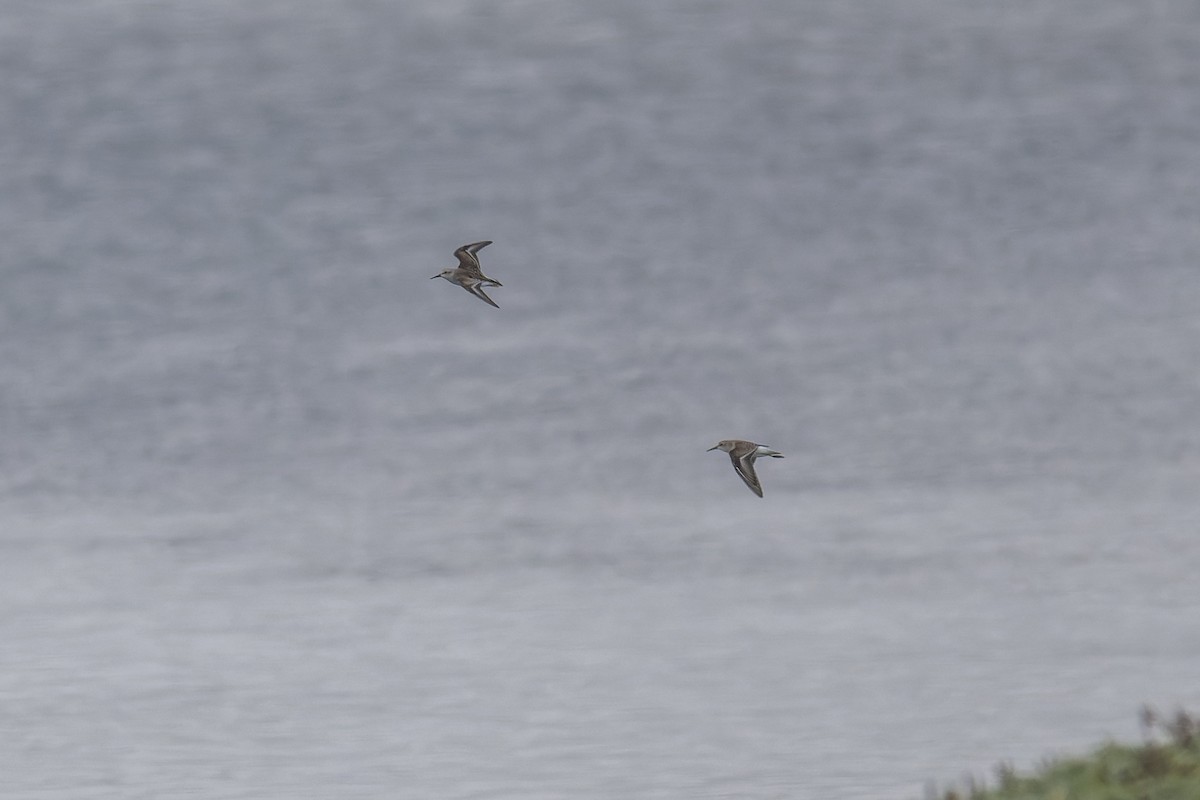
{"points": [[282, 518]]}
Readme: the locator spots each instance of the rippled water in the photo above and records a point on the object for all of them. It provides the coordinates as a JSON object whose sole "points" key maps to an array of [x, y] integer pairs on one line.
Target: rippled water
{"points": [[281, 517]]}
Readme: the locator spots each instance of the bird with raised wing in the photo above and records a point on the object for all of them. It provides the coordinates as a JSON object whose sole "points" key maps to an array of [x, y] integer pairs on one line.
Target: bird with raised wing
{"points": [[468, 274]]}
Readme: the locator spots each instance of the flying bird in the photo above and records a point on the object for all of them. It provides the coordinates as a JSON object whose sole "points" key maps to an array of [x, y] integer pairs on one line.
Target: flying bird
{"points": [[468, 273], [742, 454]]}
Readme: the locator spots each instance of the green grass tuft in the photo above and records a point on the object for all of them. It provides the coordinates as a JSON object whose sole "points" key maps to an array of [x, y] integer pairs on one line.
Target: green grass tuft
{"points": [[1165, 766]]}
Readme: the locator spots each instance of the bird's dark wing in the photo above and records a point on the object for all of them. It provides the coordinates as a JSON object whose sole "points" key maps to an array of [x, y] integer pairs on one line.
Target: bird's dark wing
{"points": [[478, 291], [744, 467], [466, 255]]}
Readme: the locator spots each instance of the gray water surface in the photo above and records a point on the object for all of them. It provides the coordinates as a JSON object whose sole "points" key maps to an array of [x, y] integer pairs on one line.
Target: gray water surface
{"points": [[282, 518]]}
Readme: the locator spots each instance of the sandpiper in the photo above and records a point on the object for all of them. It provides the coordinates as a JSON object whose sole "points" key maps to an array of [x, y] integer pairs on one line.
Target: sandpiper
{"points": [[468, 273], [742, 454]]}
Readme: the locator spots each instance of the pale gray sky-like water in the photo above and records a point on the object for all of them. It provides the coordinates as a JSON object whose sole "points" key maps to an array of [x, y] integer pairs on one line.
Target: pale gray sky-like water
{"points": [[282, 518]]}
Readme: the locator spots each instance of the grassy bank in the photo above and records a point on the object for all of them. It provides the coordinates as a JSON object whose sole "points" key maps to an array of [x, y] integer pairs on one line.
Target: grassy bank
{"points": [[1165, 766]]}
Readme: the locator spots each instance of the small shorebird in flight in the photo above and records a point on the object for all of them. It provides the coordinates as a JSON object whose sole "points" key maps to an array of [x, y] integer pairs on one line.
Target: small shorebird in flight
{"points": [[468, 273], [742, 454]]}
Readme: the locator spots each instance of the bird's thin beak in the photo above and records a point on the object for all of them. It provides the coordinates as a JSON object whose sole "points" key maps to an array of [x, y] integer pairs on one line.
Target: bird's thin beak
{"points": [[714, 447], [431, 277]]}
